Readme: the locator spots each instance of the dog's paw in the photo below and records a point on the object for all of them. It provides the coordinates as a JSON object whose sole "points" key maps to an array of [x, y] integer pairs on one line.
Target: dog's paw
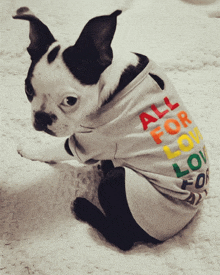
{"points": [[81, 208], [34, 152], [85, 211], [28, 151]]}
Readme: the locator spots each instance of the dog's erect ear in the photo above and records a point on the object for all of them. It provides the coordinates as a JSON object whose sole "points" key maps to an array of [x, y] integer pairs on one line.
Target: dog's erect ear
{"points": [[40, 36], [92, 52], [97, 35]]}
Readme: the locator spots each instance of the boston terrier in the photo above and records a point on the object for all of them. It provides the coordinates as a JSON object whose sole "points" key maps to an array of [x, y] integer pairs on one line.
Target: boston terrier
{"points": [[121, 110]]}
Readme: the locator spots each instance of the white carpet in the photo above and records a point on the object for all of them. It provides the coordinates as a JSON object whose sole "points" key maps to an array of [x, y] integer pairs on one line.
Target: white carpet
{"points": [[38, 234]]}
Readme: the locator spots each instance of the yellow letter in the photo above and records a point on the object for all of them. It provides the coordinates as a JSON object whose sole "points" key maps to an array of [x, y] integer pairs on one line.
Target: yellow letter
{"points": [[197, 136], [171, 155], [182, 146]]}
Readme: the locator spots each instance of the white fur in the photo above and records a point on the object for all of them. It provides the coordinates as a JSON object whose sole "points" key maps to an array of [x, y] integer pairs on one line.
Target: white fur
{"points": [[53, 82]]}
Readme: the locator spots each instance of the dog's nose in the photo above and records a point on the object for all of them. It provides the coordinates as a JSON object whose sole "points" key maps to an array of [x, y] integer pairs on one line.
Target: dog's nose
{"points": [[42, 120]]}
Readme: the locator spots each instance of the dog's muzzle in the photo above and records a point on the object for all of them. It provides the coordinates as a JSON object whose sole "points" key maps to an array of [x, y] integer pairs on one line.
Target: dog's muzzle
{"points": [[42, 120]]}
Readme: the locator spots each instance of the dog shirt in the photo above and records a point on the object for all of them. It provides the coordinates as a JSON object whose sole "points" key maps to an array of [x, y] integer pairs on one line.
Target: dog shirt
{"points": [[147, 130]]}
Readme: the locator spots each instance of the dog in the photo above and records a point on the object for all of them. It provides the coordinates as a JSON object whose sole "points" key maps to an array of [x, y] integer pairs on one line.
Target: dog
{"points": [[122, 111]]}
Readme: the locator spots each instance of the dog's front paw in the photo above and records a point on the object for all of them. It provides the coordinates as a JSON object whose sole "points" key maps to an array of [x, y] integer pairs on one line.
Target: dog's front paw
{"points": [[32, 152], [28, 152]]}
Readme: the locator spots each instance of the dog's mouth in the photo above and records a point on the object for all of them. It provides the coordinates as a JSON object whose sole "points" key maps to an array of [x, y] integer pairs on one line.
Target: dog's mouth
{"points": [[48, 131], [43, 129]]}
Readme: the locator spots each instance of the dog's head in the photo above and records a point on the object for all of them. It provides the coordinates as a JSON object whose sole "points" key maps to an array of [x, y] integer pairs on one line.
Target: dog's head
{"points": [[63, 83]]}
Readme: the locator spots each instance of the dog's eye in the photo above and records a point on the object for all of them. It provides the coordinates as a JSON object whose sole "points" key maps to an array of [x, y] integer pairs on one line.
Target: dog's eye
{"points": [[69, 101], [29, 90]]}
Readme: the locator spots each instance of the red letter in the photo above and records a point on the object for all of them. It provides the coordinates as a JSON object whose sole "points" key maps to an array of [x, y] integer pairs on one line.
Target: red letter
{"points": [[157, 112], [143, 117], [171, 106]]}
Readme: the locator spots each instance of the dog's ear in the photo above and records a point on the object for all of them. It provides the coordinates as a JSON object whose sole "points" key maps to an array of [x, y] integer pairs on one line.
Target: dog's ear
{"points": [[92, 52], [97, 35], [40, 36]]}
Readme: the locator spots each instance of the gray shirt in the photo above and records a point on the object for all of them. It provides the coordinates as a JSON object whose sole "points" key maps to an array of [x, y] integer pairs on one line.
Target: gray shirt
{"points": [[149, 131]]}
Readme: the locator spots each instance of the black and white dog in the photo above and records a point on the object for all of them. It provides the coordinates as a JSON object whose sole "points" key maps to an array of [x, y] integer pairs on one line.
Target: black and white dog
{"points": [[122, 110]]}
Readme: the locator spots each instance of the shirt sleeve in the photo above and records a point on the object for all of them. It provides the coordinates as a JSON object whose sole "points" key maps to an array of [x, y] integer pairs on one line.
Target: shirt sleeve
{"points": [[89, 148]]}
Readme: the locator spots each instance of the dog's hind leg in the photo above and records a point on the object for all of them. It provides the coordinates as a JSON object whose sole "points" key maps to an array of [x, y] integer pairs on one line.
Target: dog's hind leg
{"points": [[113, 200], [113, 231], [111, 226], [106, 166], [117, 226]]}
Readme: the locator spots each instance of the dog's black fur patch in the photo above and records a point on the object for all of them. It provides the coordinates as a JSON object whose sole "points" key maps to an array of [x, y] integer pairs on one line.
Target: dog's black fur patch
{"points": [[83, 65], [159, 81], [128, 75], [53, 54], [29, 90]]}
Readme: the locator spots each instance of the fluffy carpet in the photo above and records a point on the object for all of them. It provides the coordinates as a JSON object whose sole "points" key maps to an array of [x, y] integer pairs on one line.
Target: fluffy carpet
{"points": [[38, 234]]}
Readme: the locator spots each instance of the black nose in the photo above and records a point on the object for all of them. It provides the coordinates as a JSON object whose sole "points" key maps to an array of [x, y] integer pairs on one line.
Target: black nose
{"points": [[42, 120]]}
